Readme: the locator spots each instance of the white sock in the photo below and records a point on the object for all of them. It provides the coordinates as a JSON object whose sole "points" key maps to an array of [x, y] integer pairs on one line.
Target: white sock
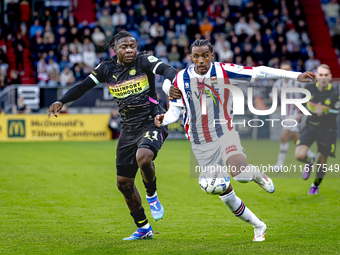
{"points": [[248, 174], [310, 154], [283, 153], [155, 194], [239, 209], [146, 226]]}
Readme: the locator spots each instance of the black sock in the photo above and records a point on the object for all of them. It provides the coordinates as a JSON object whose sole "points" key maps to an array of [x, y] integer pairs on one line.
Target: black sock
{"points": [[139, 218], [305, 160], [317, 181], [150, 187]]}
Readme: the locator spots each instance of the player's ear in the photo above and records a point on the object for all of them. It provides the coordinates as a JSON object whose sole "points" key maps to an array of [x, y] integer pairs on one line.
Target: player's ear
{"points": [[212, 55]]}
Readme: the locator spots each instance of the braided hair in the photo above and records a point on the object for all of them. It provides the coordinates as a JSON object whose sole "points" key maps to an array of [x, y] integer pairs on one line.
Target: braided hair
{"points": [[202, 42], [114, 39]]}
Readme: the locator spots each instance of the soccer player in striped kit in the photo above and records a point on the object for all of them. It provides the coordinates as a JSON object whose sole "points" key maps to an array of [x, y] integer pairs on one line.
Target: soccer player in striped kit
{"points": [[215, 143], [292, 113]]}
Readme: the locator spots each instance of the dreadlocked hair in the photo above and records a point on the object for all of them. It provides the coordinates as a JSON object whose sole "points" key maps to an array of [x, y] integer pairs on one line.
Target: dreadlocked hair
{"points": [[202, 42], [114, 39]]}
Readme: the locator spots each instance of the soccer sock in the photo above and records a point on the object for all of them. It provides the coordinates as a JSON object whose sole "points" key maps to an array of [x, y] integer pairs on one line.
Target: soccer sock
{"points": [[283, 153], [317, 181], [305, 159], [139, 218], [248, 174], [239, 209], [310, 153], [150, 187], [320, 174]]}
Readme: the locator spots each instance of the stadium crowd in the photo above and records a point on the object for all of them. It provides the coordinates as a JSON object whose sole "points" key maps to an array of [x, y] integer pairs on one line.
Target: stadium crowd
{"points": [[245, 32]]}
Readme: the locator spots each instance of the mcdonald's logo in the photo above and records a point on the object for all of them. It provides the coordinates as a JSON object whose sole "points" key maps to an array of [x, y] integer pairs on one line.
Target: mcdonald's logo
{"points": [[16, 128]]}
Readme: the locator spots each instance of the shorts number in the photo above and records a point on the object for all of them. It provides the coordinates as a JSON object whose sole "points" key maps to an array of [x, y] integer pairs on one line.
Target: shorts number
{"points": [[154, 137], [332, 148]]}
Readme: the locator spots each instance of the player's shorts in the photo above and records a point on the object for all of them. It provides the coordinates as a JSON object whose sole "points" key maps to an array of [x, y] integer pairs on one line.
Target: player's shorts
{"points": [[326, 140], [150, 137], [290, 124], [218, 152]]}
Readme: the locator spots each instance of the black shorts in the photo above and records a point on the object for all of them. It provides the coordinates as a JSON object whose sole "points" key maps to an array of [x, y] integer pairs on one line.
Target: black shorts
{"points": [[326, 140], [150, 137]]}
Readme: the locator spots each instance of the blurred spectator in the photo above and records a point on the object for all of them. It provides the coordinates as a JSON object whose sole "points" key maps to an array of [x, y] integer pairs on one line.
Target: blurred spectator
{"points": [[19, 46], [3, 61], [311, 64], [119, 17], [42, 76], [114, 123], [53, 78], [193, 29], [105, 21], [75, 57], [51, 64], [336, 36], [63, 110], [131, 21], [160, 47], [205, 26], [157, 30], [3, 81], [174, 57], [214, 10], [66, 77], [63, 62], [35, 27], [332, 12], [97, 36], [76, 45], [13, 16], [21, 107], [78, 74], [241, 25], [89, 57], [14, 77]]}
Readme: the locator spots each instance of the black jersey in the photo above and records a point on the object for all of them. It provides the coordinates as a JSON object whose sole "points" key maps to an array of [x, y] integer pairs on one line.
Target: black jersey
{"points": [[330, 107], [133, 87]]}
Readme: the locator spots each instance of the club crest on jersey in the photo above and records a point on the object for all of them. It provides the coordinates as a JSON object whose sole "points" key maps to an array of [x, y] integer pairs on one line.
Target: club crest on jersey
{"points": [[132, 72], [186, 85], [152, 59]]}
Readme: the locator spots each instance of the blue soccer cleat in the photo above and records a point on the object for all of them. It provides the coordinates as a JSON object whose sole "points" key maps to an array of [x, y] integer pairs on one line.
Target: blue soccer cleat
{"points": [[314, 190], [156, 207], [141, 233]]}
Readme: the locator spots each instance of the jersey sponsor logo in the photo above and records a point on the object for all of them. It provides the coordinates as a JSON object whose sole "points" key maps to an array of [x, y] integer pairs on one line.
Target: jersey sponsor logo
{"points": [[152, 59], [97, 66], [230, 149], [130, 87], [132, 72]]}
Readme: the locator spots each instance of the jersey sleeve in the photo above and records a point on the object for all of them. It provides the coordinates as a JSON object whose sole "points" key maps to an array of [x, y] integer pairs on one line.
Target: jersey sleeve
{"points": [[239, 74], [156, 66], [98, 74], [173, 113]]}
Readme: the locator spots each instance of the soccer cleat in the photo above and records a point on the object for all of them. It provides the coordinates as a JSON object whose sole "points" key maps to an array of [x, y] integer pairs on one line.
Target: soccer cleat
{"points": [[156, 207], [265, 183], [314, 190], [141, 233], [259, 233], [308, 169]]}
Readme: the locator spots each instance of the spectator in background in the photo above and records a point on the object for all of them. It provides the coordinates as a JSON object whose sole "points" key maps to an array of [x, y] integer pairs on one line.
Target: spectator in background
{"points": [[53, 78], [75, 45], [3, 81], [174, 57], [114, 123], [14, 77], [75, 57], [78, 74], [66, 77], [192, 30], [89, 57], [42, 76], [35, 27], [51, 64], [205, 26], [131, 24], [214, 10], [3, 61], [312, 64], [13, 16], [119, 17], [105, 21], [63, 62], [19, 47], [160, 47], [157, 31], [21, 107], [241, 25], [332, 12], [97, 36]]}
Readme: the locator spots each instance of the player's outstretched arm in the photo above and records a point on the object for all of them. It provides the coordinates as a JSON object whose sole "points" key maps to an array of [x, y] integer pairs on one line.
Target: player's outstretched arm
{"points": [[169, 117], [264, 72], [72, 94], [307, 77], [171, 91]]}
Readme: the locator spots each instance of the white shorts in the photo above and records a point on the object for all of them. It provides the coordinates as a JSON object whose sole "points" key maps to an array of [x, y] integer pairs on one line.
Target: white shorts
{"points": [[289, 124], [218, 152]]}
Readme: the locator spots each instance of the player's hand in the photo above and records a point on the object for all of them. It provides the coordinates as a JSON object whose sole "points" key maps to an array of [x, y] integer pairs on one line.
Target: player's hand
{"points": [[307, 77], [158, 120], [55, 108], [174, 93], [318, 109], [299, 117]]}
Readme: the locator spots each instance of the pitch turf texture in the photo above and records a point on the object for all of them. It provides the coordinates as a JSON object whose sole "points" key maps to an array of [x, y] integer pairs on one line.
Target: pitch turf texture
{"points": [[61, 198]]}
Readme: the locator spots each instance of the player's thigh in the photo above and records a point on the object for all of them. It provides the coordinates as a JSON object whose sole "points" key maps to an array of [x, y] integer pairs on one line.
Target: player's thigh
{"points": [[152, 138], [231, 146], [326, 142], [207, 154], [126, 164]]}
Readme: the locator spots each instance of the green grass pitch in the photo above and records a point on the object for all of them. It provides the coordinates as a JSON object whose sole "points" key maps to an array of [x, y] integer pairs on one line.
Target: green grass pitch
{"points": [[61, 198]]}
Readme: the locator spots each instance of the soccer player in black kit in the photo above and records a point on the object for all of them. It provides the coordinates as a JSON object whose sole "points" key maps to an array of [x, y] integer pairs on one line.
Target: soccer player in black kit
{"points": [[320, 126], [130, 78]]}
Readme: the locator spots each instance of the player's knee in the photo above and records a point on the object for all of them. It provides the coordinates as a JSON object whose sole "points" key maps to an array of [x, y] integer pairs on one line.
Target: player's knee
{"points": [[125, 186], [144, 159], [299, 154]]}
